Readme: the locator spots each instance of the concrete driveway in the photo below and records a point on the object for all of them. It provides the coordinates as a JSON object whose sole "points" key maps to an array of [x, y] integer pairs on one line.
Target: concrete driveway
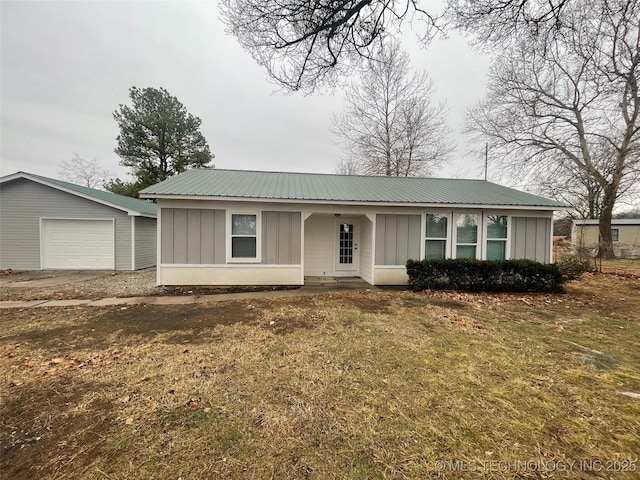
{"points": [[50, 278]]}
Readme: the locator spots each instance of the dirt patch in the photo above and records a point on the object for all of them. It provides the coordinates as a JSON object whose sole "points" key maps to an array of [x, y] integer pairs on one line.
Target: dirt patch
{"points": [[40, 420], [109, 324], [7, 272], [95, 328]]}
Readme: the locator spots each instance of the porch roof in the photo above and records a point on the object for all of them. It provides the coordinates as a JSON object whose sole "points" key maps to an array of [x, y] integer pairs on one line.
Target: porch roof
{"points": [[341, 189]]}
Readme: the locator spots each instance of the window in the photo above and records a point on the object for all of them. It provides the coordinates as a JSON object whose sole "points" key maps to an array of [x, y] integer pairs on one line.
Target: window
{"points": [[466, 236], [346, 243], [244, 236], [615, 234], [497, 237], [436, 236]]}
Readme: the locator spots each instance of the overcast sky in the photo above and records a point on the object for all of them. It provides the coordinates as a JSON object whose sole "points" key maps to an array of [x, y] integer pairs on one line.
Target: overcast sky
{"points": [[66, 66]]}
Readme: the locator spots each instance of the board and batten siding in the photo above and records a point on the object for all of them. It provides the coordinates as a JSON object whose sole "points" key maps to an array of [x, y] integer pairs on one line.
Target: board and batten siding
{"points": [[197, 236], [531, 238], [24, 202], [281, 238], [319, 245], [192, 236], [398, 238], [146, 244]]}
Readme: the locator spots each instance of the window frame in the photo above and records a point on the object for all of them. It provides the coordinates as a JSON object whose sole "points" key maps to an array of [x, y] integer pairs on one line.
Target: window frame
{"points": [[617, 235], [448, 234], [479, 233], [230, 236], [486, 239]]}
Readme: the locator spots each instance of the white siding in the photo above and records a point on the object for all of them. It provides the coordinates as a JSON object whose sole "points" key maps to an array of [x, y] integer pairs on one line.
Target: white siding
{"points": [[319, 245], [366, 250], [390, 276], [255, 274]]}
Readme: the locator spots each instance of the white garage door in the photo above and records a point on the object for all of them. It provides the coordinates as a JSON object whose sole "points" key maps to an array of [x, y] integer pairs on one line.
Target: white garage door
{"points": [[77, 244]]}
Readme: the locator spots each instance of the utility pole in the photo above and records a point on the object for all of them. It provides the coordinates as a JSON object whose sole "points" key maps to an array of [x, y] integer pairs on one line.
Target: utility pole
{"points": [[486, 159]]}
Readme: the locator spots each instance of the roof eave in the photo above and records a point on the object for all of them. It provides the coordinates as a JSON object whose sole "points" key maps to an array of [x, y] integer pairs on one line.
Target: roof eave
{"points": [[348, 202], [130, 212]]}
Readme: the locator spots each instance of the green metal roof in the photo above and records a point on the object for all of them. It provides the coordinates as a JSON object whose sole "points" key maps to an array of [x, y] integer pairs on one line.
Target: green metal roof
{"points": [[126, 203], [341, 189]]}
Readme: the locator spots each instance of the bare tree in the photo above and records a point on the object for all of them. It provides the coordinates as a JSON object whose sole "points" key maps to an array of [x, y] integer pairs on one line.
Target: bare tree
{"points": [[573, 188], [88, 173], [347, 166], [390, 125], [552, 105], [304, 45], [571, 185]]}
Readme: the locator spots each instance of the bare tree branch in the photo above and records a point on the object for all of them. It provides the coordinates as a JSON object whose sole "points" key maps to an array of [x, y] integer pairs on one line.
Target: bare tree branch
{"points": [[565, 110], [390, 125], [88, 173], [306, 45]]}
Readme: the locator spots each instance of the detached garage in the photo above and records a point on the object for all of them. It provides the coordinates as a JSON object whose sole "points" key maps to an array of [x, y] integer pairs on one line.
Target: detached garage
{"points": [[51, 224]]}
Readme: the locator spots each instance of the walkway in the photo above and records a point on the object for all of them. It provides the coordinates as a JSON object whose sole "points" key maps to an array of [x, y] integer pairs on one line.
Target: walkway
{"points": [[312, 288]]}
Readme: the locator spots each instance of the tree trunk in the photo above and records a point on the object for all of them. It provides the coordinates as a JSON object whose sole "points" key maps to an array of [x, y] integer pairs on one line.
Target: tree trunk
{"points": [[605, 247]]}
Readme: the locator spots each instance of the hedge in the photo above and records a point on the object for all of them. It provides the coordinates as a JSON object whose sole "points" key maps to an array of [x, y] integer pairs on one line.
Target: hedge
{"points": [[485, 275]]}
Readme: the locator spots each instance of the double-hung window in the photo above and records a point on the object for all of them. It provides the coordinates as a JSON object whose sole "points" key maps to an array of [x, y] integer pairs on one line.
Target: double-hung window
{"points": [[244, 237], [615, 234], [436, 236], [496, 237], [467, 235]]}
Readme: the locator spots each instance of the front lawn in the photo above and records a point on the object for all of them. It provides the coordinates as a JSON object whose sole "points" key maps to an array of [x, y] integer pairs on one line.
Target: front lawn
{"points": [[347, 385]]}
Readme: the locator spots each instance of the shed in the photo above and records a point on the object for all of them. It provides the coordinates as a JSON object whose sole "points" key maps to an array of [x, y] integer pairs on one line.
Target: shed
{"points": [[50, 224], [625, 235]]}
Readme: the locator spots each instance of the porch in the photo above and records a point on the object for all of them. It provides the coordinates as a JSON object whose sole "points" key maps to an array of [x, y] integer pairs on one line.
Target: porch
{"points": [[337, 246]]}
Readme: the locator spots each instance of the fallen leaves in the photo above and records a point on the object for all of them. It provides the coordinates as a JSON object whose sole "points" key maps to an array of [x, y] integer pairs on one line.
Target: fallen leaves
{"points": [[498, 299], [39, 367]]}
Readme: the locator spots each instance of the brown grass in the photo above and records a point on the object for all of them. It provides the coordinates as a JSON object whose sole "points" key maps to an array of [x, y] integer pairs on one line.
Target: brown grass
{"points": [[350, 385]]}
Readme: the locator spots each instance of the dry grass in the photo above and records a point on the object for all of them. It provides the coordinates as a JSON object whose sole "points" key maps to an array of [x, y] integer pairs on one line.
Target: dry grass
{"points": [[619, 265], [350, 385]]}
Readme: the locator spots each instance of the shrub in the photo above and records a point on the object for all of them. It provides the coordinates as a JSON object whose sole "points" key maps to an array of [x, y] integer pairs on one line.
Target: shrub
{"points": [[573, 267], [485, 275]]}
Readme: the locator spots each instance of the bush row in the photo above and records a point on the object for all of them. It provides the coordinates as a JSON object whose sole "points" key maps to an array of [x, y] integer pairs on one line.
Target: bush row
{"points": [[487, 275]]}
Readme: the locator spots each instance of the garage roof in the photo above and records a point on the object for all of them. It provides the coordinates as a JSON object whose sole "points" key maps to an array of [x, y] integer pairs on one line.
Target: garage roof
{"points": [[133, 206], [341, 189]]}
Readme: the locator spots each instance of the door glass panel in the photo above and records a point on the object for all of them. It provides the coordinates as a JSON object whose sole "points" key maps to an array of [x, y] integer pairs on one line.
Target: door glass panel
{"points": [[346, 243]]}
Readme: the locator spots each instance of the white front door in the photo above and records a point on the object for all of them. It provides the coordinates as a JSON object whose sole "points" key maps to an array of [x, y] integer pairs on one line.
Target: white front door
{"points": [[348, 239]]}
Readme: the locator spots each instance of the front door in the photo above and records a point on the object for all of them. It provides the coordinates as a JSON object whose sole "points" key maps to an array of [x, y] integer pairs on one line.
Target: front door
{"points": [[347, 260]]}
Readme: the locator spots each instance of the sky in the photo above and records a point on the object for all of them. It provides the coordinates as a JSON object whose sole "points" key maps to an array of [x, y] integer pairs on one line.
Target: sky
{"points": [[67, 66]]}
